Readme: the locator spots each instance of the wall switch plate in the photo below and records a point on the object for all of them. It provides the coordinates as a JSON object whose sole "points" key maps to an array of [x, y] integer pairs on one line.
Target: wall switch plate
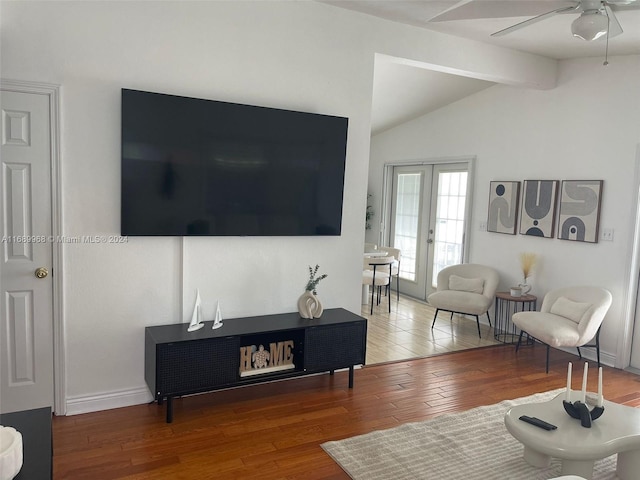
{"points": [[607, 234], [483, 226]]}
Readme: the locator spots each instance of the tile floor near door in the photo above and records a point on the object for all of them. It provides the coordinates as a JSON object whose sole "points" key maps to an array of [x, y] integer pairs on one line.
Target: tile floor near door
{"points": [[406, 331]]}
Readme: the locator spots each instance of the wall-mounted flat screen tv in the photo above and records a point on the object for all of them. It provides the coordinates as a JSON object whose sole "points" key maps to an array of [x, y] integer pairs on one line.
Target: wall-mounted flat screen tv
{"points": [[202, 167]]}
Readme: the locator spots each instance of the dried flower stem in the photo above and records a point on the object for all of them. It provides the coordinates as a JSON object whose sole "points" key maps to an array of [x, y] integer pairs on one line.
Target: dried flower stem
{"points": [[527, 262]]}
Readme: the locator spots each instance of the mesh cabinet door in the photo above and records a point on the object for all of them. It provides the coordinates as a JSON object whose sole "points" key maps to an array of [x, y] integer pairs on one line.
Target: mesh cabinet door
{"points": [[190, 367], [334, 346]]}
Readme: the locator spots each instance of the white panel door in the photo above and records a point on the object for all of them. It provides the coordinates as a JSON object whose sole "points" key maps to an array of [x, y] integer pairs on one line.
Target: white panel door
{"points": [[26, 322]]}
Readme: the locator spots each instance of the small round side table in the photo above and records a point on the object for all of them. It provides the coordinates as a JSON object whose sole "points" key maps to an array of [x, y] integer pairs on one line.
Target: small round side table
{"points": [[505, 307]]}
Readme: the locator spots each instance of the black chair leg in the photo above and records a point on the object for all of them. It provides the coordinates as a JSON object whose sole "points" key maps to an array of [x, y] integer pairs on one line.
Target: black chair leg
{"points": [[547, 358], [398, 286], [434, 318], [598, 347], [488, 317], [579, 353], [478, 322], [373, 290], [519, 341]]}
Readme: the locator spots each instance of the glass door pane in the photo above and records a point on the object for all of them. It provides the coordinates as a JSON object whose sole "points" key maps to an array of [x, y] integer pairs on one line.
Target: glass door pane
{"points": [[407, 221], [449, 220]]}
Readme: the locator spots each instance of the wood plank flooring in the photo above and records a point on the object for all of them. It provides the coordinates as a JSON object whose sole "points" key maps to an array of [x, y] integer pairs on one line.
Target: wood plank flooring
{"points": [[274, 431]]}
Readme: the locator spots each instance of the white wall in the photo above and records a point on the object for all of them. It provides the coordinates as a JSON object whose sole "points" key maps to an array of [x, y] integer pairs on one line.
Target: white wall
{"points": [[588, 127], [295, 55]]}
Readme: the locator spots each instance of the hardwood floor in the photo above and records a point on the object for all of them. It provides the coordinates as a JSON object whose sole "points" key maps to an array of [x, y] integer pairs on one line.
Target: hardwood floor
{"points": [[406, 332], [274, 431]]}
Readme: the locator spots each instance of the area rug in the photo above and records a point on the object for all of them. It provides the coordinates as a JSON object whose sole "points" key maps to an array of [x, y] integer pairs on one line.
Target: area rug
{"points": [[473, 444]]}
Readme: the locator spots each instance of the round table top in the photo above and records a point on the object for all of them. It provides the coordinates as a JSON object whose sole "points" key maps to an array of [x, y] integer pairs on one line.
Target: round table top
{"points": [[522, 298], [618, 429]]}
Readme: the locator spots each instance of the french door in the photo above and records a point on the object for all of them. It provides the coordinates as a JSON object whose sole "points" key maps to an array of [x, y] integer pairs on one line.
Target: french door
{"points": [[428, 222]]}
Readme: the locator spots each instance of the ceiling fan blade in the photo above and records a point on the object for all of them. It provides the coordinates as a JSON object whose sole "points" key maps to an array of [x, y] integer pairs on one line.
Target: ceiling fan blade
{"points": [[614, 25], [533, 20], [477, 9], [443, 16], [623, 5]]}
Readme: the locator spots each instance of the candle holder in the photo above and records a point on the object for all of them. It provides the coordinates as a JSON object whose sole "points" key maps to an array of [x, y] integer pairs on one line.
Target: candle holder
{"points": [[581, 411]]}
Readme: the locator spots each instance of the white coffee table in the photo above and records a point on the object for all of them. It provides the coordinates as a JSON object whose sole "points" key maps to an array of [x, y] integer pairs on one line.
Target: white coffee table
{"points": [[616, 431]]}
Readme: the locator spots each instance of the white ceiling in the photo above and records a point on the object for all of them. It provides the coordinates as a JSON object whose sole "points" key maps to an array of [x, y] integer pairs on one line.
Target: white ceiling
{"points": [[402, 92]]}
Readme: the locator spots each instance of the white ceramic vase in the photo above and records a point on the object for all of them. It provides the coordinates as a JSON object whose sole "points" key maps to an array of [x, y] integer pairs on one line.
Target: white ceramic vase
{"points": [[309, 306], [525, 288]]}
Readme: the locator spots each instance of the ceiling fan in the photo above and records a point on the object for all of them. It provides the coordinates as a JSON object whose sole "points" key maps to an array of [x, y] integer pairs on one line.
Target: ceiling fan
{"points": [[596, 17]]}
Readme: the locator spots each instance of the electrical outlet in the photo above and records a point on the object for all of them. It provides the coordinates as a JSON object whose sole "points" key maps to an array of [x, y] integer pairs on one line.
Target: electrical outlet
{"points": [[483, 226], [607, 234]]}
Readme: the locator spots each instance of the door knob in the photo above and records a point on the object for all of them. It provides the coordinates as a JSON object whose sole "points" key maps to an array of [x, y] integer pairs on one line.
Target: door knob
{"points": [[41, 272], [430, 240]]}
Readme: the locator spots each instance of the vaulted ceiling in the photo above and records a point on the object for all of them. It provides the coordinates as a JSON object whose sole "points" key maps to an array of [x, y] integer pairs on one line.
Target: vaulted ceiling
{"points": [[402, 92]]}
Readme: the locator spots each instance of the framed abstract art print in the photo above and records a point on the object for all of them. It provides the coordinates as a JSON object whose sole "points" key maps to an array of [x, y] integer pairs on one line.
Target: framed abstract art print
{"points": [[579, 216], [538, 214], [503, 207]]}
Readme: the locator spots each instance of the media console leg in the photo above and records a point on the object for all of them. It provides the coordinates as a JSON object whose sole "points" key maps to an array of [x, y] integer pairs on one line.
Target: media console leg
{"points": [[351, 376], [169, 409], [160, 400], [331, 372]]}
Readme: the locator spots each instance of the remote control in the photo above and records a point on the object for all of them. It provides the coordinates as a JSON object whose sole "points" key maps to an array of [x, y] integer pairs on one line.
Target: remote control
{"points": [[538, 423]]}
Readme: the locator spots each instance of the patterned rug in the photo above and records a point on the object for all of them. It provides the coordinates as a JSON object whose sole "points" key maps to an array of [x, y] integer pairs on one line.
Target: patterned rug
{"points": [[470, 445]]}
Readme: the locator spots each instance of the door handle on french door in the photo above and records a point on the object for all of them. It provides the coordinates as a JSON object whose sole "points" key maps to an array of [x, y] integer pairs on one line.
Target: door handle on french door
{"points": [[430, 240]]}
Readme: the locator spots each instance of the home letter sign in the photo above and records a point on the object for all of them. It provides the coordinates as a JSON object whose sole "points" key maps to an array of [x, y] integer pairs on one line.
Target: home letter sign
{"points": [[257, 360]]}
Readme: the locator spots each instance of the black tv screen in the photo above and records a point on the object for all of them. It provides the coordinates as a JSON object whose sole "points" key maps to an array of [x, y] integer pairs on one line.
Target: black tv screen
{"points": [[202, 167]]}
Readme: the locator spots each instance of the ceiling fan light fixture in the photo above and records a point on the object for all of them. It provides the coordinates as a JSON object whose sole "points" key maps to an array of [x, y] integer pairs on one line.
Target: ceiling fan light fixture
{"points": [[590, 25]]}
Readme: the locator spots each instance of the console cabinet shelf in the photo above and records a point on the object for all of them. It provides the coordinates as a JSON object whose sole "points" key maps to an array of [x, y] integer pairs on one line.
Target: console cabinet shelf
{"points": [[179, 363]]}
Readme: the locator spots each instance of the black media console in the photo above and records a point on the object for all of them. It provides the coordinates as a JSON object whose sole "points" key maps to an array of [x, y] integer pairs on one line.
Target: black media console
{"points": [[250, 350]]}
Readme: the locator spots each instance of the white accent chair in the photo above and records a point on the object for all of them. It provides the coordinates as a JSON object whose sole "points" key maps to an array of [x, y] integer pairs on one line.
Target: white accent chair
{"points": [[569, 317], [377, 274], [370, 247], [467, 288], [395, 268]]}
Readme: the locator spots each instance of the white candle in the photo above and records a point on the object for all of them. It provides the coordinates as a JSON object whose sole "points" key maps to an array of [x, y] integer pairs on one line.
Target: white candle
{"points": [[568, 394], [600, 396], [584, 382]]}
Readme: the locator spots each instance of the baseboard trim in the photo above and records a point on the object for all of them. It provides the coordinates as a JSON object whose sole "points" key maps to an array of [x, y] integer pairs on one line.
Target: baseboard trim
{"points": [[107, 401], [589, 354]]}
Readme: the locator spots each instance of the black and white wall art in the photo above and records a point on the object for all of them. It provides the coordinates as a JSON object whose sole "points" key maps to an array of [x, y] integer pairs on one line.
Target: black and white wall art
{"points": [[538, 215], [579, 215], [503, 207]]}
